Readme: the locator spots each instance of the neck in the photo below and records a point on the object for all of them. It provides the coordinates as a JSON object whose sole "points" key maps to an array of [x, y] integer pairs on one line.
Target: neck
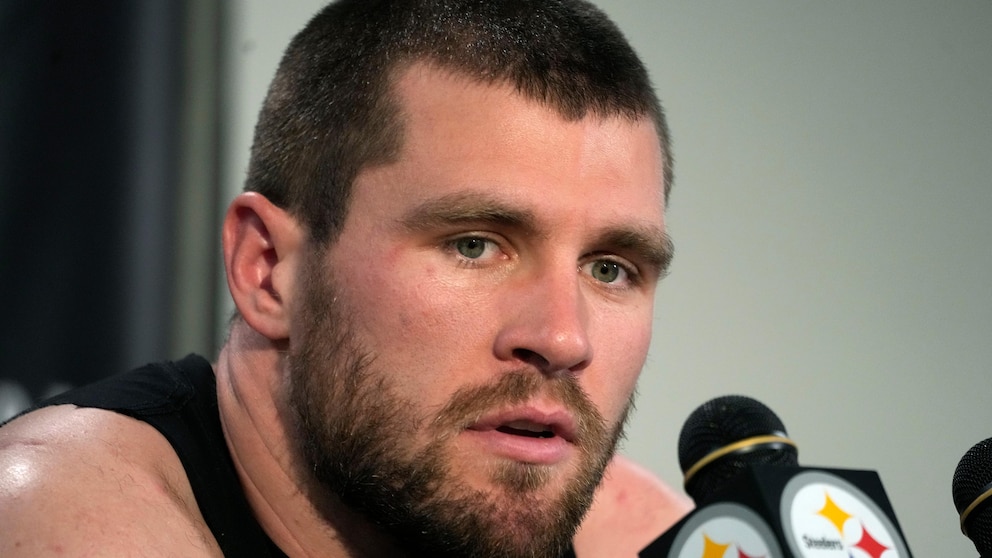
{"points": [[256, 415]]}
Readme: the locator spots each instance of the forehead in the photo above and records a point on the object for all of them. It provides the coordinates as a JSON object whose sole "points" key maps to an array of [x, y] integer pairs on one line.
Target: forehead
{"points": [[460, 135]]}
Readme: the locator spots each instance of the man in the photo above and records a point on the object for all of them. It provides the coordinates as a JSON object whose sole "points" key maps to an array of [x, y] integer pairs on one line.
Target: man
{"points": [[444, 268]]}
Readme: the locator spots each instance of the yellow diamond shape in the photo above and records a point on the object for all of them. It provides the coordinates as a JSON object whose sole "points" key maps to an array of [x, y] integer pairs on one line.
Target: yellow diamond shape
{"points": [[834, 514], [712, 549]]}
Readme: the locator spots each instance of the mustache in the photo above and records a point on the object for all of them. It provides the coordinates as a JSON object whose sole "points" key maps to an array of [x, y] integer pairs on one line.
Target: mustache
{"points": [[470, 403]]}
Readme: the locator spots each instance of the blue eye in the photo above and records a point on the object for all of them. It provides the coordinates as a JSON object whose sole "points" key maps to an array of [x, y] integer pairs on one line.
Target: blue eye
{"points": [[471, 247], [606, 271], [613, 273]]}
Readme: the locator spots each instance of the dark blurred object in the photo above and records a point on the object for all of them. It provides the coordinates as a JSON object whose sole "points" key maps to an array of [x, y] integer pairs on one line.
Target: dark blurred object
{"points": [[972, 492], [91, 106]]}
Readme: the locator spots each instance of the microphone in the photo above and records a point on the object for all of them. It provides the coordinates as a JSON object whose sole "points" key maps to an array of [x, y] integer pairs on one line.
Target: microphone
{"points": [[723, 437], [972, 492], [753, 499]]}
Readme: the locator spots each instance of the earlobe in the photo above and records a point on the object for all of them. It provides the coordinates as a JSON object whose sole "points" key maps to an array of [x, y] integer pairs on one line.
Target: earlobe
{"points": [[261, 249]]}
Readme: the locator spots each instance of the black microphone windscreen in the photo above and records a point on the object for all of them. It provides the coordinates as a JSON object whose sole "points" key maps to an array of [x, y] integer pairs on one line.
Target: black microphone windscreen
{"points": [[973, 481], [716, 426]]}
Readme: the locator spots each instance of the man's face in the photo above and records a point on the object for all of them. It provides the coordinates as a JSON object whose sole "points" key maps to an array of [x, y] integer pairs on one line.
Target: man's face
{"points": [[466, 351]]}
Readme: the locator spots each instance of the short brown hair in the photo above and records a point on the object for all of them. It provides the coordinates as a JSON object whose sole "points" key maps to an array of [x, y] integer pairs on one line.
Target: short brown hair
{"points": [[329, 112]]}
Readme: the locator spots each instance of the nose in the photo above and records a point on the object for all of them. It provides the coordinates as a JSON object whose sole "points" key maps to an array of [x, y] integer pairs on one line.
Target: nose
{"points": [[545, 325]]}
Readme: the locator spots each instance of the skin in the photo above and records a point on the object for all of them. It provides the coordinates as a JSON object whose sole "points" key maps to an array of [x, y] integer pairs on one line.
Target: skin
{"points": [[534, 300]]}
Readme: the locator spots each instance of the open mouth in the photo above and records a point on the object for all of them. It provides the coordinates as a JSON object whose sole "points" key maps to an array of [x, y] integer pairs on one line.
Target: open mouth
{"points": [[526, 436], [525, 429]]}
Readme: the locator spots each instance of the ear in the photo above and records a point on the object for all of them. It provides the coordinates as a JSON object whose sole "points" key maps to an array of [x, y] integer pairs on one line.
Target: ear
{"points": [[261, 252]]}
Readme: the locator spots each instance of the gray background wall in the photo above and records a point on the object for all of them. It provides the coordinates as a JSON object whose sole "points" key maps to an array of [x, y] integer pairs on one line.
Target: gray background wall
{"points": [[831, 212]]}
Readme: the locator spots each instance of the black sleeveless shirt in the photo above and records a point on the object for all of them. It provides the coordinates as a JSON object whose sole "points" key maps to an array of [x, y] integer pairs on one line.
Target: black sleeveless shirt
{"points": [[179, 399]]}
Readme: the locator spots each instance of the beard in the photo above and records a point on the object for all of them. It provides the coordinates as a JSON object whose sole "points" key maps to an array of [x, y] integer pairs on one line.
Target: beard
{"points": [[355, 436]]}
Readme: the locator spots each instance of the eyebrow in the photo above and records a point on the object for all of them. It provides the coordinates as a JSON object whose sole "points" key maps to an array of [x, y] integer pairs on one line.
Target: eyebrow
{"points": [[458, 208], [649, 245]]}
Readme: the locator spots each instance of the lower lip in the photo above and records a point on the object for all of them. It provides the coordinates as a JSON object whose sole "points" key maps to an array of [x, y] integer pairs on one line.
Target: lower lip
{"points": [[524, 449]]}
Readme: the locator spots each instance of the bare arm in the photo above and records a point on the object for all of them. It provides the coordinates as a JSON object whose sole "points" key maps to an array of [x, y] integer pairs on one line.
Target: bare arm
{"points": [[632, 507], [85, 482]]}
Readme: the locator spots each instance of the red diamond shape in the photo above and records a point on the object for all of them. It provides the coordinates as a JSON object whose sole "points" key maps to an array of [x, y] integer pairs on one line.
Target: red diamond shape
{"points": [[869, 544]]}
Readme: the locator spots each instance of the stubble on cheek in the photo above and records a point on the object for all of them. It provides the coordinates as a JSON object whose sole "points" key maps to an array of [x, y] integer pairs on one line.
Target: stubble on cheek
{"points": [[390, 458]]}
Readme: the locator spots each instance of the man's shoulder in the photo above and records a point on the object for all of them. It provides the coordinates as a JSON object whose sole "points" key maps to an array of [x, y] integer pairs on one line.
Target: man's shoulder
{"points": [[632, 507], [79, 481]]}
